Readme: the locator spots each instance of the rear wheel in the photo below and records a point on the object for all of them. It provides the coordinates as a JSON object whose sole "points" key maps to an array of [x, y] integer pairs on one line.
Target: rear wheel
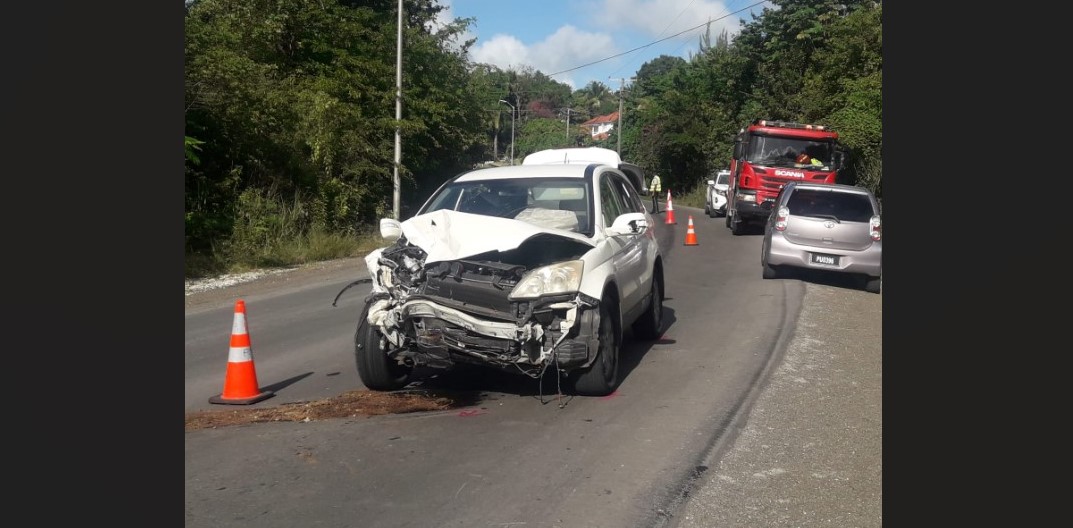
{"points": [[377, 371], [650, 325], [710, 209], [872, 284], [601, 378], [770, 272]]}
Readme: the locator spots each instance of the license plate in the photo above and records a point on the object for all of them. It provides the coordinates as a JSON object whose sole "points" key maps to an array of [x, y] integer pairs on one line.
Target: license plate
{"points": [[826, 260]]}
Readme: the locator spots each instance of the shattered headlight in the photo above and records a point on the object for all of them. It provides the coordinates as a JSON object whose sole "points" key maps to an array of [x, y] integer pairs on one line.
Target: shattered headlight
{"points": [[562, 277]]}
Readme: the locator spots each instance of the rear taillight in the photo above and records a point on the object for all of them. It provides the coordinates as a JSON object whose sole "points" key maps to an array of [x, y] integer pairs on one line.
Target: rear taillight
{"points": [[780, 218], [875, 228]]}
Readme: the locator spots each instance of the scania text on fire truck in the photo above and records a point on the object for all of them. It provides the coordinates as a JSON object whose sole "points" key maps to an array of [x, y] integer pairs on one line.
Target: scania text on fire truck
{"points": [[767, 154]]}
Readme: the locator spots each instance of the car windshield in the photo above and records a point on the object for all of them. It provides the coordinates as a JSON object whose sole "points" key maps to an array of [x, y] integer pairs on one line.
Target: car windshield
{"points": [[843, 206], [561, 203], [723, 178], [787, 152]]}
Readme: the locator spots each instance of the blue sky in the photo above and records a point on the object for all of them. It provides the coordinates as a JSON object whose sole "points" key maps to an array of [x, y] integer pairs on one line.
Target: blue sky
{"points": [[562, 38]]}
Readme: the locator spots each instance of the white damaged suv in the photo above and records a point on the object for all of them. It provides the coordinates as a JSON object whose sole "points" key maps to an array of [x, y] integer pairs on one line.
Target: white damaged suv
{"points": [[521, 268]]}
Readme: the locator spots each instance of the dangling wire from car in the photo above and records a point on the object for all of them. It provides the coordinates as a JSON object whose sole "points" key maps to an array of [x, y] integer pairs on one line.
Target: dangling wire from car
{"points": [[347, 287]]}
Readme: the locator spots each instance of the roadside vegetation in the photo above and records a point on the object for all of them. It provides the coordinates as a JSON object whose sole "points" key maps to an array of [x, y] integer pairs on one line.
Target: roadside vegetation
{"points": [[290, 114]]}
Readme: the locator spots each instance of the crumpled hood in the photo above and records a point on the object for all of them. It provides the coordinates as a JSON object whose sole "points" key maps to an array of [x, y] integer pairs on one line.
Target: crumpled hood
{"points": [[451, 235]]}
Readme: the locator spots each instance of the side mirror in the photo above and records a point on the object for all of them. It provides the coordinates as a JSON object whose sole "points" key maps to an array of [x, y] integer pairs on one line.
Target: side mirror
{"points": [[628, 224], [837, 159], [390, 229], [711, 182], [737, 150]]}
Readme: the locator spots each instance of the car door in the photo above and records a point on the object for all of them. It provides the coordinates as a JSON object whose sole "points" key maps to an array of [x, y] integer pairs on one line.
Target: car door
{"points": [[629, 250]]}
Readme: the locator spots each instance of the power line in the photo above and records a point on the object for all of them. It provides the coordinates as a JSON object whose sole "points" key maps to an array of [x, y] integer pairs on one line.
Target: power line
{"points": [[669, 24], [657, 41]]}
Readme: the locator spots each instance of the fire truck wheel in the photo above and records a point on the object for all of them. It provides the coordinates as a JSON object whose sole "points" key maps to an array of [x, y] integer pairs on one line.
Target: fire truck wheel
{"points": [[737, 226]]}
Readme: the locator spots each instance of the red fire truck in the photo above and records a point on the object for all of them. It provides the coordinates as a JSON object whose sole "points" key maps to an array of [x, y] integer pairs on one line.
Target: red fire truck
{"points": [[767, 154]]}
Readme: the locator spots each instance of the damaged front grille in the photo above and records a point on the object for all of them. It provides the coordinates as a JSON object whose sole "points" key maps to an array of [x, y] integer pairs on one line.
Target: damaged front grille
{"points": [[468, 284], [460, 311]]}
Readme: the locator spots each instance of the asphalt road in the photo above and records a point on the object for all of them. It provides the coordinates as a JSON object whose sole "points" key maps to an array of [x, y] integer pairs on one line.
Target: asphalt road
{"points": [[764, 414], [810, 452]]}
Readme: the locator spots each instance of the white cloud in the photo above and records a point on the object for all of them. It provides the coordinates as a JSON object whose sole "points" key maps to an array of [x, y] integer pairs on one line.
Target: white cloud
{"points": [[662, 18], [447, 16], [504, 51], [570, 47], [567, 48]]}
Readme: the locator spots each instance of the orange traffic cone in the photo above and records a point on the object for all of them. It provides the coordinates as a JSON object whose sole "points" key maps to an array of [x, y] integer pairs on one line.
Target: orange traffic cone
{"points": [[240, 383], [691, 235], [670, 210]]}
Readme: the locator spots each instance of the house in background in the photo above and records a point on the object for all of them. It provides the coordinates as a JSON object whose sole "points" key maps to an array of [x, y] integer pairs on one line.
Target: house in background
{"points": [[600, 127]]}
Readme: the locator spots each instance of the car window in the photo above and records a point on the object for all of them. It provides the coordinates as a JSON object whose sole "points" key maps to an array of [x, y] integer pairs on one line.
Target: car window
{"points": [[503, 198], [631, 201], [845, 206], [723, 179], [610, 202]]}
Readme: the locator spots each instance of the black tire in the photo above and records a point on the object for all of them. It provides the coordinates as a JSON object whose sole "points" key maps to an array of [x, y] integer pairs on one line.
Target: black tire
{"points": [[707, 209], [770, 272], [873, 284], [711, 212], [650, 325], [376, 370], [737, 226], [601, 378]]}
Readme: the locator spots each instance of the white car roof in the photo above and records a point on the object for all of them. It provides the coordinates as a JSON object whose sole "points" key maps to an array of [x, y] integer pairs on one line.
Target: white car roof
{"points": [[524, 171], [582, 155]]}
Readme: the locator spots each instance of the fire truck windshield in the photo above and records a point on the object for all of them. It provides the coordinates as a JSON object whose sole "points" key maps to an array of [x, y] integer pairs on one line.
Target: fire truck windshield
{"points": [[785, 152]]}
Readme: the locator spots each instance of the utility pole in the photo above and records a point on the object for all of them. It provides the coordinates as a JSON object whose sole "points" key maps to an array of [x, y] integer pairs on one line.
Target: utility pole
{"points": [[568, 124], [619, 134], [622, 82], [511, 130], [398, 117], [568, 110]]}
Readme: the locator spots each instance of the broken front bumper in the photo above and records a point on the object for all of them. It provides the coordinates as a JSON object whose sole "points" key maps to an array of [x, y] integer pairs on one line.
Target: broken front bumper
{"points": [[425, 331]]}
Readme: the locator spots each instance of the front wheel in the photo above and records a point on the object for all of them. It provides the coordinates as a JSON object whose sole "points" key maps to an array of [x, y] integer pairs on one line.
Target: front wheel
{"points": [[601, 378], [377, 371], [650, 325], [737, 225]]}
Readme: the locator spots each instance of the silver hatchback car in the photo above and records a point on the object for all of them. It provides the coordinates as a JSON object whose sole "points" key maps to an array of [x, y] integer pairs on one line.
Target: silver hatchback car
{"points": [[828, 227]]}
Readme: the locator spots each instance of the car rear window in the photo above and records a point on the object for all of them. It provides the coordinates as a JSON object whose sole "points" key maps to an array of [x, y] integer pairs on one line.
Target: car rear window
{"points": [[851, 207]]}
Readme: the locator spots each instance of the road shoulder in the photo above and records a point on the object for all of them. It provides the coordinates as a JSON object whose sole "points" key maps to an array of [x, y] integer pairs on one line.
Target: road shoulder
{"points": [[810, 453]]}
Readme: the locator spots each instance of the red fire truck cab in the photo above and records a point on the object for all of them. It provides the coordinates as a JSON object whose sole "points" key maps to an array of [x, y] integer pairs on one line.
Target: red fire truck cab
{"points": [[767, 154]]}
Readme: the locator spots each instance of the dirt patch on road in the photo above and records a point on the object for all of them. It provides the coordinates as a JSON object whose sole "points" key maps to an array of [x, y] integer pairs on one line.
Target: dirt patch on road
{"points": [[348, 405]]}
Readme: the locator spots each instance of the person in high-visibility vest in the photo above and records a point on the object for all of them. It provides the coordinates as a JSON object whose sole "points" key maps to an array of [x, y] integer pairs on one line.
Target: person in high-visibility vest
{"points": [[654, 188]]}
